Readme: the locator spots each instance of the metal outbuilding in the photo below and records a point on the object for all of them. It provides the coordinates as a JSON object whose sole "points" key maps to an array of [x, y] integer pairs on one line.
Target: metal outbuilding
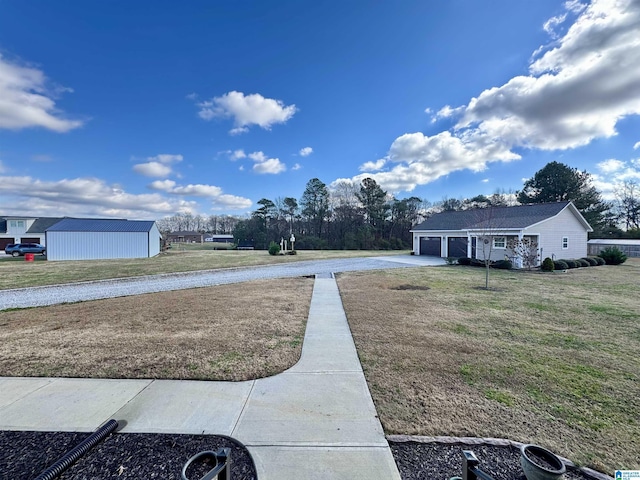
{"points": [[97, 239], [630, 247]]}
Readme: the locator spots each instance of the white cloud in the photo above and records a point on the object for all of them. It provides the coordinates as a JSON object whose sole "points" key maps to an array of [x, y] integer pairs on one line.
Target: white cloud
{"points": [[578, 88], [158, 166], [613, 174], [610, 166], [485, 180], [373, 166], [81, 197], [297, 166], [258, 157], [265, 165], [166, 158], [152, 169], [306, 151], [220, 200], [636, 146], [25, 100], [231, 202], [246, 110], [238, 154], [271, 166], [551, 24]]}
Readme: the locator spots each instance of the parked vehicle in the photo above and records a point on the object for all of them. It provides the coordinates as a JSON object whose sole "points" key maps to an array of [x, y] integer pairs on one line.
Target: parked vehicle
{"points": [[19, 249]]}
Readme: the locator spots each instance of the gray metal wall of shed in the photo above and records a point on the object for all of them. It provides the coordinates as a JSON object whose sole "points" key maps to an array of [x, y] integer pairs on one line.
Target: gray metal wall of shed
{"points": [[98, 245]]}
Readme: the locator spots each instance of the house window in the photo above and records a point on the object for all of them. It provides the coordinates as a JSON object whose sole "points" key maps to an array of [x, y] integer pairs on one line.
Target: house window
{"points": [[500, 242], [17, 225], [565, 243]]}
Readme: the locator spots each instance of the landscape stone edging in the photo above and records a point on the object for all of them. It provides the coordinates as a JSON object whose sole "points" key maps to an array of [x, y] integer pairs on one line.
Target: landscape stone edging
{"points": [[496, 442]]}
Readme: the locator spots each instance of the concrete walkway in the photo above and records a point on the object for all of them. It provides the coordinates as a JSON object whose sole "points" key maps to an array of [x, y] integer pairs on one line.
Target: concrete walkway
{"points": [[314, 421]]}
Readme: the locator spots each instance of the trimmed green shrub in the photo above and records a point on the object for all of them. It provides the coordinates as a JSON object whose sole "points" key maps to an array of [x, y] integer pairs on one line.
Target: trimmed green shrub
{"points": [[560, 265], [477, 263], [600, 260], [571, 263], [274, 248], [613, 256], [583, 263], [450, 260], [464, 261], [502, 265], [547, 265]]}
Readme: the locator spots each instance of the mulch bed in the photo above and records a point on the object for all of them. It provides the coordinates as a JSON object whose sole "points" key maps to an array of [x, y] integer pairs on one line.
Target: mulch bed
{"points": [[24, 455], [441, 461]]}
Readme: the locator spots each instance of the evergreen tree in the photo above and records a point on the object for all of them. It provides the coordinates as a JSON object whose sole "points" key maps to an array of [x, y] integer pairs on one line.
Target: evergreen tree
{"points": [[557, 182]]}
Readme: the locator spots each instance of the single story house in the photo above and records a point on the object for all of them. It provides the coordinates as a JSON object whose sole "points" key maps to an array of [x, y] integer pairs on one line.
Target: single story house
{"points": [[184, 237], [630, 247], [559, 230], [24, 229], [95, 239], [218, 238]]}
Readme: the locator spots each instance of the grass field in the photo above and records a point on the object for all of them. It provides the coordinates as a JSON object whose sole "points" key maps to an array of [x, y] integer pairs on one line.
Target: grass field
{"points": [[205, 333], [550, 359], [543, 358], [16, 273]]}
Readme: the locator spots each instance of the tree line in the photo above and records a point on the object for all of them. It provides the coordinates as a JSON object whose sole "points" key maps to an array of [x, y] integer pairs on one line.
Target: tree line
{"points": [[364, 216]]}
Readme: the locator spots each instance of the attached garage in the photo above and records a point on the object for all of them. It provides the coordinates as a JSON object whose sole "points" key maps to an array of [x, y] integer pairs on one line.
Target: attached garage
{"points": [[6, 241], [457, 247], [97, 239], [430, 246]]}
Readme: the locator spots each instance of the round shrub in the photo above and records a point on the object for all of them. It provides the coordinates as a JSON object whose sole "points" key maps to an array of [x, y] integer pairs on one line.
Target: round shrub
{"points": [[600, 260], [274, 248], [560, 265], [613, 256], [464, 261], [591, 261], [547, 265], [502, 265], [477, 263], [582, 263], [571, 263]]}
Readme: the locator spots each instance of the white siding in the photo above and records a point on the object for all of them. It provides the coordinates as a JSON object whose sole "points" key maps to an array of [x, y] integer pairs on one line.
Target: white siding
{"points": [[551, 231], [154, 241], [98, 245]]}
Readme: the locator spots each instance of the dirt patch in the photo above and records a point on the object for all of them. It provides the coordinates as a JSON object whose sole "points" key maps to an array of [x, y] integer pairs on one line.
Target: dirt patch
{"points": [[410, 287], [227, 332]]}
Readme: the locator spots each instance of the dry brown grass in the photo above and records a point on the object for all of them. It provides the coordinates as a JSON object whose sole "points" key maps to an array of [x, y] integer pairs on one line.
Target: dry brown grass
{"points": [[227, 332], [550, 358]]}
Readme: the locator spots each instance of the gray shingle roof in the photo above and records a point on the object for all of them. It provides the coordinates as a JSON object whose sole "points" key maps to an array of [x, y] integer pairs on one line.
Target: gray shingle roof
{"points": [[520, 216], [42, 224], [101, 225]]}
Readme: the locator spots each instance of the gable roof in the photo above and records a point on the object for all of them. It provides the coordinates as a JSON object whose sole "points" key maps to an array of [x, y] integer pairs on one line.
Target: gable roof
{"points": [[516, 217], [42, 224], [101, 225]]}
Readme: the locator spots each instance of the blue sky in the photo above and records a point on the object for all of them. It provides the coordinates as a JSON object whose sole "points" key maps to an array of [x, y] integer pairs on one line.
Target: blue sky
{"points": [[146, 109]]}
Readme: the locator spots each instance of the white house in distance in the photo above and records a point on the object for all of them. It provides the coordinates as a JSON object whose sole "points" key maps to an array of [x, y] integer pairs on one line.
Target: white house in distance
{"points": [[558, 228], [16, 229], [94, 239]]}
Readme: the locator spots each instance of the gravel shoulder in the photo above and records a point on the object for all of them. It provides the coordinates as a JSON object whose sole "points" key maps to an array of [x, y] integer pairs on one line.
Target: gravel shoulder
{"points": [[78, 292]]}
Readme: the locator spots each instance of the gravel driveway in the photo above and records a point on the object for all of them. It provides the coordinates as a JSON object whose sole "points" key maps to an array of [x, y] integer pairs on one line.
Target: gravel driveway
{"points": [[77, 292]]}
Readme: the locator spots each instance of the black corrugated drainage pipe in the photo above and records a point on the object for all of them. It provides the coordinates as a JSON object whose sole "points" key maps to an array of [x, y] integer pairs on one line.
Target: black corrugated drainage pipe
{"points": [[78, 451]]}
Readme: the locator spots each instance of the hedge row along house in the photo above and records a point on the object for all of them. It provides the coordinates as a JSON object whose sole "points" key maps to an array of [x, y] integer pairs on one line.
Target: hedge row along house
{"points": [[557, 229]]}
